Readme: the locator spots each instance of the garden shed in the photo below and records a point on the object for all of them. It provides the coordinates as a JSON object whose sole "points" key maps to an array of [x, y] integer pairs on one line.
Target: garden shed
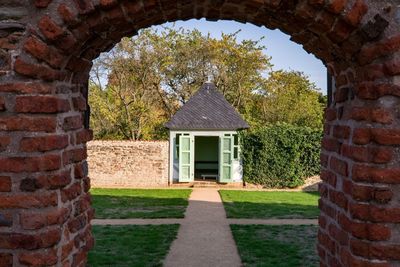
{"points": [[204, 141]]}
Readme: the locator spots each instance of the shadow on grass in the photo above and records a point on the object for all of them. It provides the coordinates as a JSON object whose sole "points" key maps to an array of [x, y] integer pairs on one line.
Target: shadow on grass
{"points": [[268, 205], [277, 245], [133, 245], [123, 207], [270, 210]]}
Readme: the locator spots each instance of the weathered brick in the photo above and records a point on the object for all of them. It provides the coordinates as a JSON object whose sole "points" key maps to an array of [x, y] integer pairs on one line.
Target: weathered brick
{"points": [[379, 115], [331, 144], [386, 136], [50, 29], [2, 104], [362, 136], [79, 103], [330, 114], [41, 104], [42, 3], [28, 200], [30, 164], [37, 71], [45, 257], [328, 177], [4, 142], [72, 123], [54, 181], [37, 220], [83, 136], [6, 259], [26, 88], [108, 3], [372, 213], [341, 131], [45, 239], [370, 90], [365, 173], [84, 6], [5, 184], [43, 52], [370, 52], [367, 154], [356, 13], [43, 143], [339, 166], [74, 155], [27, 123], [67, 14], [71, 192]]}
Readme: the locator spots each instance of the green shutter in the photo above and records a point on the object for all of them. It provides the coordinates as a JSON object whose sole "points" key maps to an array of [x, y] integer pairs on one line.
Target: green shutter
{"points": [[226, 157], [186, 161]]}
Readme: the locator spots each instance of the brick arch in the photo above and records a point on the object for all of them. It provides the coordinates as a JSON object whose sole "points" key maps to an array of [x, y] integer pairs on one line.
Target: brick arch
{"points": [[46, 49]]}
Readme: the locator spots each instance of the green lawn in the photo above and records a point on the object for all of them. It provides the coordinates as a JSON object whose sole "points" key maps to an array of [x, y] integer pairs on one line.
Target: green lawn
{"points": [[277, 245], [263, 204], [133, 245], [140, 203]]}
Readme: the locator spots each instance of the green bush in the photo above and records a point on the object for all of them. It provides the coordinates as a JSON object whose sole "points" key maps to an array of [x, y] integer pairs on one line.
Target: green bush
{"points": [[280, 155]]}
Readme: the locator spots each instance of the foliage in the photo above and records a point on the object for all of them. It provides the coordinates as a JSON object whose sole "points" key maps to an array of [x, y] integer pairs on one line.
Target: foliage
{"points": [[280, 155], [277, 245], [267, 205], [140, 203], [151, 75], [144, 80], [289, 96], [133, 245]]}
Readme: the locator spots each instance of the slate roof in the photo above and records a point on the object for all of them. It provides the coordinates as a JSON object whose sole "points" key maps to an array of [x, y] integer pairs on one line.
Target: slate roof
{"points": [[207, 109]]}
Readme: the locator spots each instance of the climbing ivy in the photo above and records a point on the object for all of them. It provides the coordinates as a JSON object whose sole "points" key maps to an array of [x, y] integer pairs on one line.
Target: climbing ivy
{"points": [[280, 155]]}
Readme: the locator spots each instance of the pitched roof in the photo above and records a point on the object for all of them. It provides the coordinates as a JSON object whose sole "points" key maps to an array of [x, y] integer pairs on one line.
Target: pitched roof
{"points": [[207, 109]]}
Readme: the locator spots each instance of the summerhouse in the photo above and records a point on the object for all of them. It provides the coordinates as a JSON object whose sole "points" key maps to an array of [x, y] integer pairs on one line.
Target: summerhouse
{"points": [[204, 142]]}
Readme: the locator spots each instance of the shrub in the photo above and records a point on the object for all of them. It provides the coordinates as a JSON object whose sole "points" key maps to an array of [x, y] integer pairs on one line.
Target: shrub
{"points": [[280, 155]]}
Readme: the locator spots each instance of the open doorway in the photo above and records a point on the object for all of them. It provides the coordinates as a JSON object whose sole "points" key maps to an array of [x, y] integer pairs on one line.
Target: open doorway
{"points": [[206, 161]]}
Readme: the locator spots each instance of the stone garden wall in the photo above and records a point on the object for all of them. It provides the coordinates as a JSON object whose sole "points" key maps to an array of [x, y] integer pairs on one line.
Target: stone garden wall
{"points": [[127, 164]]}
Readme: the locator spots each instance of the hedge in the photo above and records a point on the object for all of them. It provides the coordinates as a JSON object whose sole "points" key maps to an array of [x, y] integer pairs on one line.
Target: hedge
{"points": [[280, 155]]}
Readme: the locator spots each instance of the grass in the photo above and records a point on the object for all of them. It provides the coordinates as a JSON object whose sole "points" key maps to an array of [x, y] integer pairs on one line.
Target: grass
{"points": [[134, 245], [140, 203], [264, 205], [276, 245]]}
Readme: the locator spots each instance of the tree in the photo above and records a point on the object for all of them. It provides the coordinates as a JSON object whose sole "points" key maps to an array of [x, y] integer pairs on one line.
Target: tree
{"points": [[289, 96], [144, 80]]}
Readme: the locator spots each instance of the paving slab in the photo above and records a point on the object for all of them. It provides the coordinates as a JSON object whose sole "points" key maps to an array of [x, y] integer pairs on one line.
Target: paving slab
{"points": [[204, 238]]}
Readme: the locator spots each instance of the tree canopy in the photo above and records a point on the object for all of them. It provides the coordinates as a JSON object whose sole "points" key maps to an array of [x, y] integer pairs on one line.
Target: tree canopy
{"points": [[142, 82]]}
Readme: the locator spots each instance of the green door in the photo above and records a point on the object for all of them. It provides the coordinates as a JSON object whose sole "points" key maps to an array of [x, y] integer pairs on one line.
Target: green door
{"points": [[226, 157], [186, 160]]}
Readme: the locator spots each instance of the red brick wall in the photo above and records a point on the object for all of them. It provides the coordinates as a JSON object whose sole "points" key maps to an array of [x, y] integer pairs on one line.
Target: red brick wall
{"points": [[46, 50]]}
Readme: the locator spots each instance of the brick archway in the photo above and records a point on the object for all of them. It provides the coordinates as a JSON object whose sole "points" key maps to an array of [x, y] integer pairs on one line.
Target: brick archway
{"points": [[46, 49]]}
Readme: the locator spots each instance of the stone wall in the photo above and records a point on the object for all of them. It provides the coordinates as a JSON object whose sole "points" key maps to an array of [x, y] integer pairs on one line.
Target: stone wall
{"points": [[128, 164]]}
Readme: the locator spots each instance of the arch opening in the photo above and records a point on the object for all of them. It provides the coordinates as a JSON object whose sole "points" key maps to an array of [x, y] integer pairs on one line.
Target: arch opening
{"points": [[47, 52]]}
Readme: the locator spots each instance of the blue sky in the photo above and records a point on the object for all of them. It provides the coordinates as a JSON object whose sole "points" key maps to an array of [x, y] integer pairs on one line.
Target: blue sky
{"points": [[285, 54]]}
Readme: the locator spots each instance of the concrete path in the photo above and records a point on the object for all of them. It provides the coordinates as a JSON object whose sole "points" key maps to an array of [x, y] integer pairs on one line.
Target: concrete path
{"points": [[204, 238]]}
